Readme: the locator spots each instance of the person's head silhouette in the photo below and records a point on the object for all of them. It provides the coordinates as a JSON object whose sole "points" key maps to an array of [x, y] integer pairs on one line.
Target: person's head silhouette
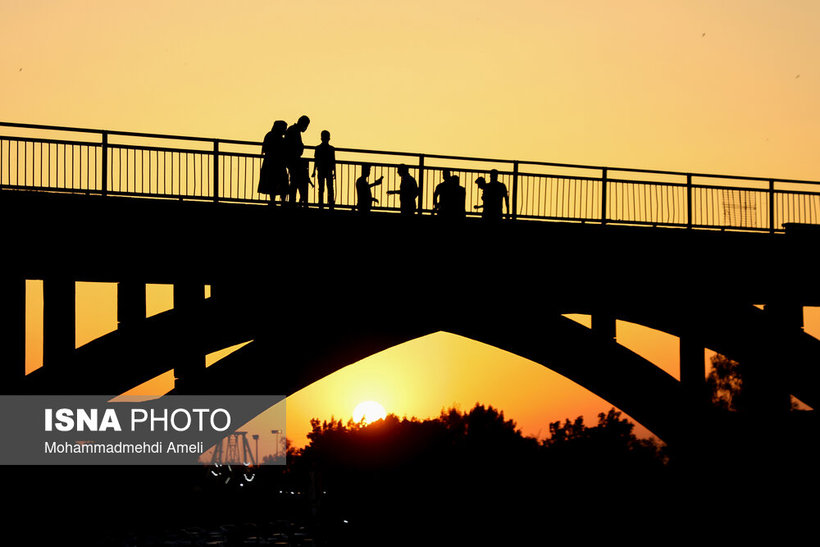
{"points": [[303, 123], [280, 126], [365, 169], [402, 170], [494, 175], [325, 135]]}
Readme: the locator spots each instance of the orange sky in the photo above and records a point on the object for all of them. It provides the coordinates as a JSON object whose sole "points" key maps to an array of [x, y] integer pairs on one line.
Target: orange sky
{"points": [[728, 87]]}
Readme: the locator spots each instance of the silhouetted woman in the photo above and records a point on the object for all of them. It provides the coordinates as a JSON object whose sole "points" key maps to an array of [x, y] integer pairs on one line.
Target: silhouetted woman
{"points": [[273, 177]]}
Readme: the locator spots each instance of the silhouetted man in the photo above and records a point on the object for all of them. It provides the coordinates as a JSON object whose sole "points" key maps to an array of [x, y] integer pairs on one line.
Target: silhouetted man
{"points": [[324, 163], [445, 178], [494, 192], [408, 190], [452, 199], [364, 199], [293, 152]]}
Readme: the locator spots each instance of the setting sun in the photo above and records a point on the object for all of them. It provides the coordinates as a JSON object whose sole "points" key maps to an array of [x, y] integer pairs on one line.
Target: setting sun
{"points": [[369, 411]]}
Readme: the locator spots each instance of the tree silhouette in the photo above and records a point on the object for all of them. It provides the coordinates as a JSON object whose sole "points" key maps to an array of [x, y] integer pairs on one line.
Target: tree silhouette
{"points": [[725, 383], [472, 468], [604, 452]]}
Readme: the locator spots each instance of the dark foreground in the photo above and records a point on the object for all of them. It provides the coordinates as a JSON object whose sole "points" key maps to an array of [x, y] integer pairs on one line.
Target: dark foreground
{"points": [[184, 506]]}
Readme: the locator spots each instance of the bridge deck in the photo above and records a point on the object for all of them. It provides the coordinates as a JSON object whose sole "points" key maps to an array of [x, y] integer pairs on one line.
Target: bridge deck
{"points": [[121, 163]]}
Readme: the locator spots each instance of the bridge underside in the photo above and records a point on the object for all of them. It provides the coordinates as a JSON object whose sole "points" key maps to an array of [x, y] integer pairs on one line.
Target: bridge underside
{"points": [[317, 291], [293, 346]]}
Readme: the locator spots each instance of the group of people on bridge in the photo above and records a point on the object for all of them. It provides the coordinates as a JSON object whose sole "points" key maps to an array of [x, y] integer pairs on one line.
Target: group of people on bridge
{"points": [[285, 173]]}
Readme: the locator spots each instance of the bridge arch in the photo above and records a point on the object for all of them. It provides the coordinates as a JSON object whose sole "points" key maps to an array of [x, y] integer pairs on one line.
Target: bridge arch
{"points": [[286, 365], [124, 358], [777, 349], [284, 357]]}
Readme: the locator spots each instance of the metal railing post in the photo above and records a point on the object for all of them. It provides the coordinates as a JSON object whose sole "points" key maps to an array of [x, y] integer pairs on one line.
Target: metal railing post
{"points": [[216, 171], [603, 195], [772, 220], [421, 184], [104, 163], [514, 212], [689, 201]]}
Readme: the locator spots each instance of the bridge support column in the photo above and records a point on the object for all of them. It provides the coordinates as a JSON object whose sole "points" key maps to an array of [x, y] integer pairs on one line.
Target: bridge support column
{"points": [[787, 315], [59, 314], [131, 303], [12, 331], [693, 368], [190, 359], [604, 324], [764, 386]]}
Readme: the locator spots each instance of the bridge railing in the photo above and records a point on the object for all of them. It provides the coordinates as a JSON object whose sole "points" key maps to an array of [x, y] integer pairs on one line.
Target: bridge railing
{"points": [[121, 163]]}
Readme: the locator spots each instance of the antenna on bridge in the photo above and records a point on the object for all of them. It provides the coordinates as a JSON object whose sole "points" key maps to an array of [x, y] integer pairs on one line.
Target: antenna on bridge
{"points": [[739, 207]]}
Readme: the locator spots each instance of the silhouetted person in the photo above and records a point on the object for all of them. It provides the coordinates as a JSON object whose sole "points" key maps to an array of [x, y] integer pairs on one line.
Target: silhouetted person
{"points": [[452, 199], [324, 163], [301, 182], [364, 199], [408, 190], [293, 152], [445, 178], [273, 176], [494, 193]]}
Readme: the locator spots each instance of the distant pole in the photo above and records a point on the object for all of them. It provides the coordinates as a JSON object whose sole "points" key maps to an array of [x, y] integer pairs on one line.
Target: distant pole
{"points": [[276, 432], [256, 447]]}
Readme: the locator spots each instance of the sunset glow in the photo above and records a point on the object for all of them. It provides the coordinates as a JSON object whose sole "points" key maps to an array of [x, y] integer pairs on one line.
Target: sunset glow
{"points": [[712, 87], [369, 411]]}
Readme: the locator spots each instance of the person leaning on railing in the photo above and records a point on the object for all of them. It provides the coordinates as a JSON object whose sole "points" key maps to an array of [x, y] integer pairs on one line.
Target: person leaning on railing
{"points": [[293, 152], [364, 199]]}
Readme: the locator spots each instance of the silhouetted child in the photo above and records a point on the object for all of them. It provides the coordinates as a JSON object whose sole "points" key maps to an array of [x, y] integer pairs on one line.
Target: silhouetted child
{"points": [[408, 190], [302, 181], [364, 199], [324, 163]]}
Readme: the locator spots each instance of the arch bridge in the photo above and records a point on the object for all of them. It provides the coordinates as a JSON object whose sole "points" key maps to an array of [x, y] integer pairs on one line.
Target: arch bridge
{"points": [[316, 290]]}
